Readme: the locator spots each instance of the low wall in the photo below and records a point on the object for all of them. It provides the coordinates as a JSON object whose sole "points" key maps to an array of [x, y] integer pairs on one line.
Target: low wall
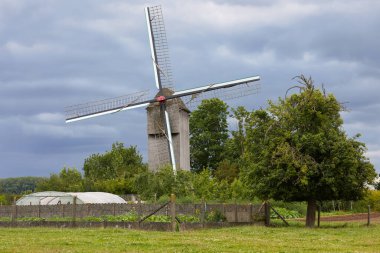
{"points": [[151, 226], [233, 212]]}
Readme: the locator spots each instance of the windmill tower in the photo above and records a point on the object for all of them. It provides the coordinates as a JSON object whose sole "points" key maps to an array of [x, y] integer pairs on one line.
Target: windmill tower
{"points": [[168, 116], [158, 154]]}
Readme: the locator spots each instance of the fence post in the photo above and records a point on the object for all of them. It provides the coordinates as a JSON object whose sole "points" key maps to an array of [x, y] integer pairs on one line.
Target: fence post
{"points": [[319, 215], [14, 211], [39, 211], [236, 211], [203, 212], [74, 210], [369, 215], [173, 212], [250, 213], [62, 210], [267, 214]]}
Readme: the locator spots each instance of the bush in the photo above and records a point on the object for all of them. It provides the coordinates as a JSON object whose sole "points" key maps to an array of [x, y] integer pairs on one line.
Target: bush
{"points": [[158, 218], [215, 216], [373, 199], [299, 207], [30, 219], [285, 213], [188, 218]]}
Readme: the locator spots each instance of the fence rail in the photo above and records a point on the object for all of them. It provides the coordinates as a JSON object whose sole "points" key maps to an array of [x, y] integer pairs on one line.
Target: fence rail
{"points": [[232, 212]]}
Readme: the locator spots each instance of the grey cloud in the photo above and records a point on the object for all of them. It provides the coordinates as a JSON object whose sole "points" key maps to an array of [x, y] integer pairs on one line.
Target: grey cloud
{"points": [[60, 53]]}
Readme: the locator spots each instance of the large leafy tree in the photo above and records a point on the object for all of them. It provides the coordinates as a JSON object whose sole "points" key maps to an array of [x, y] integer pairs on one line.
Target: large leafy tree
{"points": [[298, 151], [208, 134], [68, 180], [114, 170]]}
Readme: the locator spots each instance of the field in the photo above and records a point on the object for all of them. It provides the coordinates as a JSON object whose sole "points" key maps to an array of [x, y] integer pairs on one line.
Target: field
{"points": [[333, 237]]}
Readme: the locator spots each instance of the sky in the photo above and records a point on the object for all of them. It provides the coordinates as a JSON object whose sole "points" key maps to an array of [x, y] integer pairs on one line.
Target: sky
{"points": [[57, 53]]}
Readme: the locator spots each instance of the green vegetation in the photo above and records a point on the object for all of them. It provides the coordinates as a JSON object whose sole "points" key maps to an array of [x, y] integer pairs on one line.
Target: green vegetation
{"points": [[209, 134], [237, 239], [19, 185], [68, 179], [285, 213], [297, 150], [128, 217]]}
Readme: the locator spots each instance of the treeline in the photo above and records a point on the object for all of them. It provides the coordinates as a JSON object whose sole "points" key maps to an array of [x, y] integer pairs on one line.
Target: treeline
{"points": [[121, 171], [11, 188], [19, 185]]}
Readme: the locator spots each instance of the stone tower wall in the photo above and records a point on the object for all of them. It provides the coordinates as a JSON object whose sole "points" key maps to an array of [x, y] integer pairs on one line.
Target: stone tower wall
{"points": [[158, 150]]}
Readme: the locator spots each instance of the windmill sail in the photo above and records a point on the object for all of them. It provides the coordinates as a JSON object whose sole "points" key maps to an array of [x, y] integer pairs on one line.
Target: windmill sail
{"points": [[225, 91], [106, 106], [159, 47]]}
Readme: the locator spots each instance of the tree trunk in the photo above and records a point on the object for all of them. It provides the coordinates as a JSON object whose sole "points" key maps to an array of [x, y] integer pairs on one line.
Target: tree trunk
{"points": [[310, 214]]}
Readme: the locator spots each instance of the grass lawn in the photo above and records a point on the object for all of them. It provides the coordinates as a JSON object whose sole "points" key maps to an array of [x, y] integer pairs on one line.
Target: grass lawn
{"points": [[351, 238]]}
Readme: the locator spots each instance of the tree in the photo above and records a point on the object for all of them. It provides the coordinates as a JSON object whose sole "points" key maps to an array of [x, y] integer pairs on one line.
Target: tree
{"points": [[208, 134], [114, 170], [376, 183], [236, 150], [227, 170], [19, 185], [229, 167], [68, 180], [298, 151]]}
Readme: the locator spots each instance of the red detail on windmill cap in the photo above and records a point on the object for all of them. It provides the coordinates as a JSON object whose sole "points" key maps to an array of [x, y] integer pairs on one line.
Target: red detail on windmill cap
{"points": [[160, 99]]}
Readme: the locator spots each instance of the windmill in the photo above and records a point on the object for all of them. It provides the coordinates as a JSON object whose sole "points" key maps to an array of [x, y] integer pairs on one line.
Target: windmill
{"points": [[166, 110]]}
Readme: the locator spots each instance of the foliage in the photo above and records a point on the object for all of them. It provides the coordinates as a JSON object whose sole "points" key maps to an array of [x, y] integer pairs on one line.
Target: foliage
{"points": [[158, 218], [113, 171], [188, 187], [128, 217], [131, 216], [298, 151], [373, 199], [120, 162], [30, 219], [188, 218], [227, 170], [208, 134], [299, 207], [3, 200], [68, 180], [285, 213], [19, 185], [9, 199], [215, 216], [376, 184]]}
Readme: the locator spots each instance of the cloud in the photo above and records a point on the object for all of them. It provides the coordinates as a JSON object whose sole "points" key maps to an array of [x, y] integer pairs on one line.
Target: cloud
{"points": [[375, 154], [230, 17], [17, 49], [59, 53]]}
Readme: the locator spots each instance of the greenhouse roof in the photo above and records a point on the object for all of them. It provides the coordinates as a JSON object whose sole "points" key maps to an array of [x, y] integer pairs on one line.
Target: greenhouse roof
{"points": [[55, 198]]}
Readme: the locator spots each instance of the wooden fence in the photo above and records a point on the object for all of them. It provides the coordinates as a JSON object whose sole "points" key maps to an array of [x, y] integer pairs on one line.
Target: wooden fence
{"points": [[232, 212]]}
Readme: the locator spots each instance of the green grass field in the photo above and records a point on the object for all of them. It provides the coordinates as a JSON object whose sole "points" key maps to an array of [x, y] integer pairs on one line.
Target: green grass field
{"points": [[351, 238]]}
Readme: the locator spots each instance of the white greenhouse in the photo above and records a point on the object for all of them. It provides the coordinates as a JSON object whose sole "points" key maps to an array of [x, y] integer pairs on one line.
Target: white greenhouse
{"points": [[56, 198]]}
